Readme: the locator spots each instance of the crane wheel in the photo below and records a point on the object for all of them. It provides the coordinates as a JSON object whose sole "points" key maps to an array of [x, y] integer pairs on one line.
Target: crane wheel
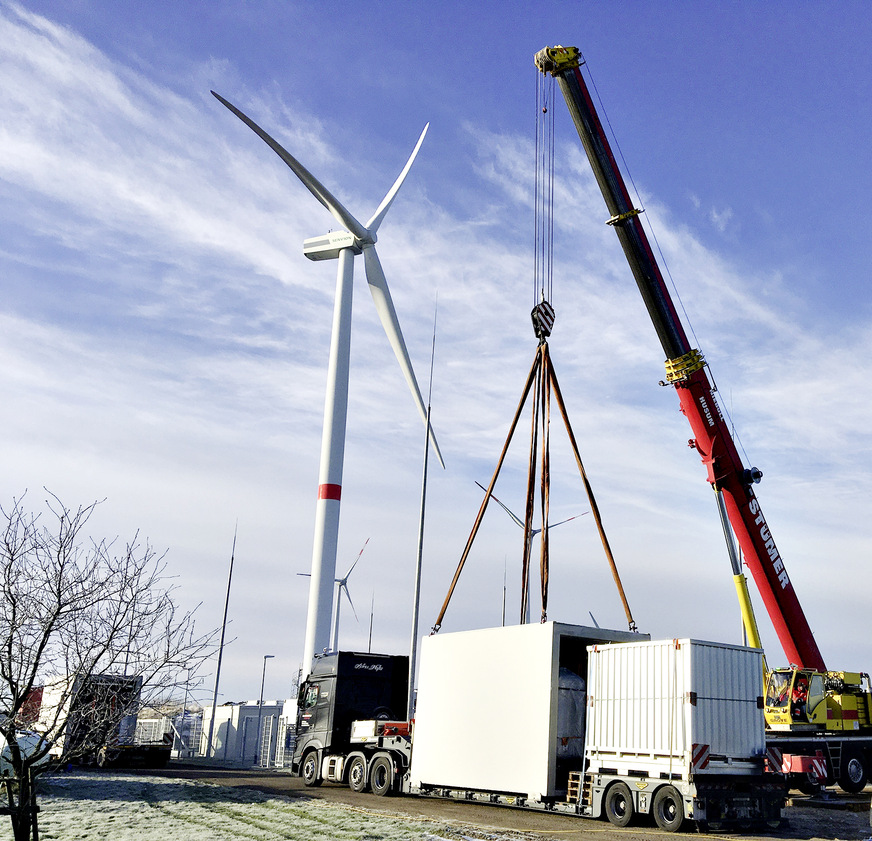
{"points": [[806, 783], [854, 773]]}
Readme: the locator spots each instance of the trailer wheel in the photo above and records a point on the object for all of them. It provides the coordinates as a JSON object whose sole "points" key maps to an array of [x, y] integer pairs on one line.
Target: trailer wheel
{"points": [[668, 809], [106, 758], [381, 776], [853, 774], [619, 805], [310, 769], [357, 774]]}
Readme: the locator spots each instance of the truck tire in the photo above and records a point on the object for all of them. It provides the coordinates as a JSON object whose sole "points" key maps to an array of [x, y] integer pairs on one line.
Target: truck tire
{"points": [[853, 774], [381, 776], [357, 774], [310, 770], [619, 805], [668, 809]]}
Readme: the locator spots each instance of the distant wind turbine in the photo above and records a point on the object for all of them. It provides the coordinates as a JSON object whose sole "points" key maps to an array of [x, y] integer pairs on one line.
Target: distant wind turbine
{"points": [[342, 245], [341, 585], [533, 532]]}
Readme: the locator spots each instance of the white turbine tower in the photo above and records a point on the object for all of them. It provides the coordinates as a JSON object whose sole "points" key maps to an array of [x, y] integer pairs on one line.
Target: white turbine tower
{"points": [[342, 245]]}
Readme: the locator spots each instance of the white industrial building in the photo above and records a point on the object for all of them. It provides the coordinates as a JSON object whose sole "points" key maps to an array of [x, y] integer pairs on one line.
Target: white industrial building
{"points": [[235, 739]]}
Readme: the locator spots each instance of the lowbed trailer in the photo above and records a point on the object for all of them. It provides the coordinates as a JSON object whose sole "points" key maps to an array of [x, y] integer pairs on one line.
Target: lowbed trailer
{"points": [[568, 719]]}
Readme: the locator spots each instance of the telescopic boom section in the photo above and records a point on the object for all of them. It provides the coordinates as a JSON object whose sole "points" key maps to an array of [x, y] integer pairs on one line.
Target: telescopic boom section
{"points": [[687, 371]]}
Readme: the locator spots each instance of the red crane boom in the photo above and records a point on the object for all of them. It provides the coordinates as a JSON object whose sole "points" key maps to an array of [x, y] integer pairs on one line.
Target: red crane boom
{"points": [[687, 371]]}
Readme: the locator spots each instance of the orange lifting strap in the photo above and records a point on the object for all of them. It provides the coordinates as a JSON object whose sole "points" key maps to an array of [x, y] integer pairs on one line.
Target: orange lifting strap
{"points": [[541, 372]]}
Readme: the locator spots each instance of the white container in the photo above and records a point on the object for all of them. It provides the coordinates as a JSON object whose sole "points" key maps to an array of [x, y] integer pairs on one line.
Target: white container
{"points": [[675, 707], [487, 716]]}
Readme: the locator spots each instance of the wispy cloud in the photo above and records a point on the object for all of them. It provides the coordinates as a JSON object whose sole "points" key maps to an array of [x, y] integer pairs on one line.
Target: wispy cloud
{"points": [[165, 342]]}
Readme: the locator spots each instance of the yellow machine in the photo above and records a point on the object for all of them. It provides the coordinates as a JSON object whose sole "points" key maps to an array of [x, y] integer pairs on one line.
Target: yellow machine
{"points": [[802, 699], [805, 699]]}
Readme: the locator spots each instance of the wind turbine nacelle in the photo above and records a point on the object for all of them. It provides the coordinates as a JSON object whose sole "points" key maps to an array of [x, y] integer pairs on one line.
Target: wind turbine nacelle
{"points": [[327, 247]]}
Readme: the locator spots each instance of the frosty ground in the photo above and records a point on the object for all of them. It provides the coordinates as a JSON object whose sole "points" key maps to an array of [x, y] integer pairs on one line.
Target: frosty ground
{"points": [[83, 805], [92, 806]]}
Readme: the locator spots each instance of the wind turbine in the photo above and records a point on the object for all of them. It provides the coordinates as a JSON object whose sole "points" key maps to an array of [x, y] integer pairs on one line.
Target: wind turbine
{"points": [[343, 246], [342, 586], [533, 532]]}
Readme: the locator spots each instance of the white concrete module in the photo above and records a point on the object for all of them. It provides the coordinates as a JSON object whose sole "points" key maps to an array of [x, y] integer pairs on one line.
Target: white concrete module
{"points": [[488, 706]]}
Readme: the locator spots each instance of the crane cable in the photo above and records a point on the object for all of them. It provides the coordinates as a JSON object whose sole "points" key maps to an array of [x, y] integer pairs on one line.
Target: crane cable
{"points": [[543, 317], [543, 290], [543, 195], [543, 377]]}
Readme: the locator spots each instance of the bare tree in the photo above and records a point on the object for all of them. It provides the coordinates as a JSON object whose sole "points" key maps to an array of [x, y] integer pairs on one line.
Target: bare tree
{"points": [[90, 624]]}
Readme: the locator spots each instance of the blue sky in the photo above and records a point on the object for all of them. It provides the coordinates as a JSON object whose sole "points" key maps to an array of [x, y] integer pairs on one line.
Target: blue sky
{"points": [[164, 340]]}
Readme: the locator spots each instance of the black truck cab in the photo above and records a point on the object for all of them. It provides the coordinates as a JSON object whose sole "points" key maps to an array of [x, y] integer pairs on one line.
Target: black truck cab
{"points": [[341, 688]]}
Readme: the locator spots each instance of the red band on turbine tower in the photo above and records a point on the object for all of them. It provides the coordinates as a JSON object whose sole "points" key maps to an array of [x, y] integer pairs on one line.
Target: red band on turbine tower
{"points": [[330, 492]]}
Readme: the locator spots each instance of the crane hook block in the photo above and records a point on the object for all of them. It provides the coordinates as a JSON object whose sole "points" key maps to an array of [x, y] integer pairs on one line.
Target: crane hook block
{"points": [[555, 60], [682, 367], [543, 320]]}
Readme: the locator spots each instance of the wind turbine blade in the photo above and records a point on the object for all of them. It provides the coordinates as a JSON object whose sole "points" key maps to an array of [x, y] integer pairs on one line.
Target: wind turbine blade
{"points": [[384, 304], [347, 574], [379, 215], [554, 525], [315, 187], [344, 589], [514, 516]]}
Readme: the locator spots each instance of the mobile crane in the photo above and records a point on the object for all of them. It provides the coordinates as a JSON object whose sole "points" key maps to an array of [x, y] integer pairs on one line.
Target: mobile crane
{"points": [[811, 713]]}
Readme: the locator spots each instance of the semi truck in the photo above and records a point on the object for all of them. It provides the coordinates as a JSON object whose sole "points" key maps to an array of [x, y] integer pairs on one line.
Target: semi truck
{"points": [[553, 717]]}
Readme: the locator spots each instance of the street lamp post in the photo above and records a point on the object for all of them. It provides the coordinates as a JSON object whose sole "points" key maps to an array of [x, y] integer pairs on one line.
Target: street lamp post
{"points": [[260, 706]]}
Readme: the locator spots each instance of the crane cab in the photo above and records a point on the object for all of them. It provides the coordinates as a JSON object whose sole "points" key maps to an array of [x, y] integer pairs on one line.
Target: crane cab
{"points": [[795, 698], [798, 699]]}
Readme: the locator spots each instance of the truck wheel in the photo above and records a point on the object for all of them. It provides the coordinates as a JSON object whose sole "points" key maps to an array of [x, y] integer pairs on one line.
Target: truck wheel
{"points": [[381, 776], [668, 809], [619, 805], [310, 769], [357, 774], [853, 774]]}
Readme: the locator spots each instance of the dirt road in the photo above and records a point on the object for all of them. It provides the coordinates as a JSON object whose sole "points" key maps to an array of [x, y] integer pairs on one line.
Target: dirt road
{"points": [[846, 819]]}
